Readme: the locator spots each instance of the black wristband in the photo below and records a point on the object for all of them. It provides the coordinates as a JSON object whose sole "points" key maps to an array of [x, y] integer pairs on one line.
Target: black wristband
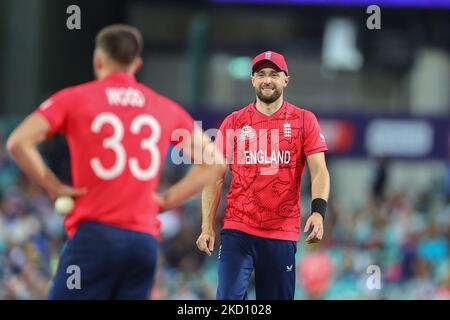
{"points": [[319, 205]]}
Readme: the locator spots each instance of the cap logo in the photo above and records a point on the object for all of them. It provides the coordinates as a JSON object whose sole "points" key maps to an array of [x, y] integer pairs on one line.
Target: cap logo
{"points": [[268, 55]]}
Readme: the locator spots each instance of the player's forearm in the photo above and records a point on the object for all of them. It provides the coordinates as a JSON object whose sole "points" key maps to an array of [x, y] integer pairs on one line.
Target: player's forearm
{"points": [[210, 202], [198, 176], [320, 185], [30, 161]]}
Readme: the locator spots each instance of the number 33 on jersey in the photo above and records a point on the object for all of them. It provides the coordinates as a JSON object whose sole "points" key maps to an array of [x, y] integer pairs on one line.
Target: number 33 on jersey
{"points": [[115, 143], [118, 132]]}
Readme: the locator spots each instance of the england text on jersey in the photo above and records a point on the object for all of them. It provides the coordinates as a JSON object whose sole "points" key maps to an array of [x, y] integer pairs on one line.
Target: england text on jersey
{"points": [[262, 157]]}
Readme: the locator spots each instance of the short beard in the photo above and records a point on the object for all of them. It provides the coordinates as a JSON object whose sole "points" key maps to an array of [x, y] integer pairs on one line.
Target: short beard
{"points": [[268, 99]]}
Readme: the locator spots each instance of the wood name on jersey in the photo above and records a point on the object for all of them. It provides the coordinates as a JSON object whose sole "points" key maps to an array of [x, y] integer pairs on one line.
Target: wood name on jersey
{"points": [[125, 97]]}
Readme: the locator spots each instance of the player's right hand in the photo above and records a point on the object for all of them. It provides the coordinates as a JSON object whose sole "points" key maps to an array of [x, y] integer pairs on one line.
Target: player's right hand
{"points": [[205, 242], [161, 201], [62, 190]]}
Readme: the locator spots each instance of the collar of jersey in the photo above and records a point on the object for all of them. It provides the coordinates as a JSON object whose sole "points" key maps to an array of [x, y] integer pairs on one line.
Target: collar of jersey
{"points": [[265, 115], [121, 76]]}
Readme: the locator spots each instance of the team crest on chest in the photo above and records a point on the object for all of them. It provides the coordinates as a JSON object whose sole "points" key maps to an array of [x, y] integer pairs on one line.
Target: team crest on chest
{"points": [[287, 131]]}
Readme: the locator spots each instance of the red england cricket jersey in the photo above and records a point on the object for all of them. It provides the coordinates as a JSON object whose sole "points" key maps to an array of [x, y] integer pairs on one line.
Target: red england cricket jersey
{"points": [[118, 132], [267, 156]]}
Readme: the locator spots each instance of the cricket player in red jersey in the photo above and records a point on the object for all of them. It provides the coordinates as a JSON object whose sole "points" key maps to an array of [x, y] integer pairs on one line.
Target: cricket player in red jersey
{"points": [[267, 145], [118, 132]]}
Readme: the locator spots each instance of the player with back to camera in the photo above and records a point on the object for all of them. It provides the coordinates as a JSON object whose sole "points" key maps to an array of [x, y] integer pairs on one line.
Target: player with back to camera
{"points": [[118, 132]]}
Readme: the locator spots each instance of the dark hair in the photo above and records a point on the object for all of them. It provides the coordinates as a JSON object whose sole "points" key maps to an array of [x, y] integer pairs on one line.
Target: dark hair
{"points": [[121, 42]]}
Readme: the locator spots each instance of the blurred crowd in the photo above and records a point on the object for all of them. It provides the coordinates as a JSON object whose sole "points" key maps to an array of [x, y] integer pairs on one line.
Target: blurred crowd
{"points": [[406, 240]]}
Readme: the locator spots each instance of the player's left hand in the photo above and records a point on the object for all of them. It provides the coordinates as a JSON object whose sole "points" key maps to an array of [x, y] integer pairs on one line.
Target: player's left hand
{"points": [[316, 221], [161, 201], [205, 242]]}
